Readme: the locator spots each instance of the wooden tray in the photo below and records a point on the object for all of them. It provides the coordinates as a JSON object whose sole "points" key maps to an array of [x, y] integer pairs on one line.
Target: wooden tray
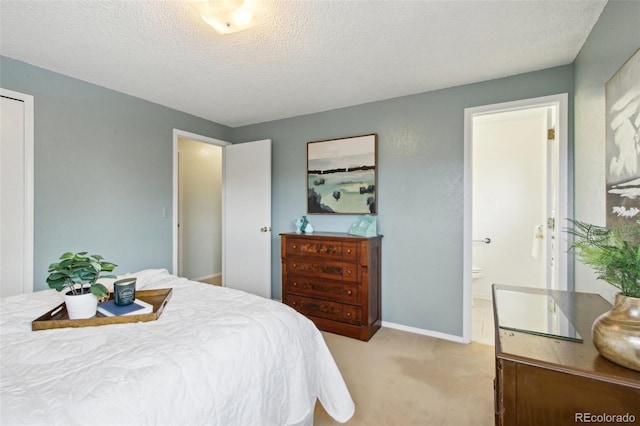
{"points": [[59, 318]]}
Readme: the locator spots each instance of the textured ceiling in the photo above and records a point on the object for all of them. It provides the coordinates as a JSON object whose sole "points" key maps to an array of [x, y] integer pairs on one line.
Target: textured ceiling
{"points": [[302, 57]]}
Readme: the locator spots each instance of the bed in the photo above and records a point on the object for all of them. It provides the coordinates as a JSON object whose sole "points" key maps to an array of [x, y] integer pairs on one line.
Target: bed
{"points": [[216, 356]]}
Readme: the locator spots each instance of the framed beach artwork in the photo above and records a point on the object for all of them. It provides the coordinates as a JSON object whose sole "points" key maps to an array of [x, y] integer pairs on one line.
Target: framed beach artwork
{"points": [[342, 176], [622, 93]]}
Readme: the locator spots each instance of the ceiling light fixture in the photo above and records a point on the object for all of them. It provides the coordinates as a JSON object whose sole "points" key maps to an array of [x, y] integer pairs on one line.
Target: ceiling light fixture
{"points": [[225, 16]]}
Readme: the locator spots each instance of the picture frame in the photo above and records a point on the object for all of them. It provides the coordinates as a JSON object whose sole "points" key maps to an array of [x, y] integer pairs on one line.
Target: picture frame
{"points": [[342, 175], [622, 146]]}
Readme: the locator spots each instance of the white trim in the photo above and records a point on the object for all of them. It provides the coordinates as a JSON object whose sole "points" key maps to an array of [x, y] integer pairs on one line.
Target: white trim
{"points": [[429, 333], [177, 134], [561, 102], [27, 285]]}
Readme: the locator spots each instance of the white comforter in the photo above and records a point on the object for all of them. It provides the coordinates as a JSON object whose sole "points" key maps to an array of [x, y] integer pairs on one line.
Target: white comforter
{"points": [[215, 356]]}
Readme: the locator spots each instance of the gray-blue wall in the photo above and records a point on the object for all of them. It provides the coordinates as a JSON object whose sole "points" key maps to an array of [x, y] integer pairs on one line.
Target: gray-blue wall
{"points": [[613, 40], [104, 158], [103, 169], [103, 176], [420, 187]]}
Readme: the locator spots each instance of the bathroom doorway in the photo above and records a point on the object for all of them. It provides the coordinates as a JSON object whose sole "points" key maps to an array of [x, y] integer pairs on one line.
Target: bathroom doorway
{"points": [[515, 203]]}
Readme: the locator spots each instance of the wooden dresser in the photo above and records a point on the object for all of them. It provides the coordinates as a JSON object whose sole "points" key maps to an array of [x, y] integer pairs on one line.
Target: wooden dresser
{"points": [[543, 380], [334, 280]]}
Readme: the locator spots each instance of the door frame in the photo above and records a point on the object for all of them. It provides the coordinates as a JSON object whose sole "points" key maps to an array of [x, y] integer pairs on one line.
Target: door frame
{"points": [[28, 170], [561, 102], [177, 134]]}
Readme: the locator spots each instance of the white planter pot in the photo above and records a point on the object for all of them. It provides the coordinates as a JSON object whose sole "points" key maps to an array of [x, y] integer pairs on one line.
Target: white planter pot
{"points": [[81, 305]]}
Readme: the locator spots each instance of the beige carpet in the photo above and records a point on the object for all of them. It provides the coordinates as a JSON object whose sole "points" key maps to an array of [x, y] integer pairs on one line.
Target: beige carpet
{"points": [[406, 379]]}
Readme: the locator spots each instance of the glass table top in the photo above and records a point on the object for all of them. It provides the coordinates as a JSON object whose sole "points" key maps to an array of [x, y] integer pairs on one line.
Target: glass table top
{"points": [[533, 313]]}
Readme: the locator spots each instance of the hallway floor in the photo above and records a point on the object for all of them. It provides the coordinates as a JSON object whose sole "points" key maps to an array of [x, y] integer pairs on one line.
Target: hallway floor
{"points": [[213, 280], [482, 329]]}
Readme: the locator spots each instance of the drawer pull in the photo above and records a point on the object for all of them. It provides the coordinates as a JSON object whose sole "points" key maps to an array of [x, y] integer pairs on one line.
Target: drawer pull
{"points": [[349, 272], [349, 292], [294, 246], [293, 303], [348, 314], [349, 251], [295, 265], [295, 284]]}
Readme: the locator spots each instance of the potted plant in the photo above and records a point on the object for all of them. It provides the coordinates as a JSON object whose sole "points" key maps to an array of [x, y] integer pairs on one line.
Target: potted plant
{"points": [[614, 253], [79, 273]]}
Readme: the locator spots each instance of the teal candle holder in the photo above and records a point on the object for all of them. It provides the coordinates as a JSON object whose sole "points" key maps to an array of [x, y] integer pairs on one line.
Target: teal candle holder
{"points": [[124, 291]]}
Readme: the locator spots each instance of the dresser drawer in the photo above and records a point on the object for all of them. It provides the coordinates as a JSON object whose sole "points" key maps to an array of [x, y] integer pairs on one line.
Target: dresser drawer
{"points": [[326, 289], [337, 250], [329, 270], [324, 309]]}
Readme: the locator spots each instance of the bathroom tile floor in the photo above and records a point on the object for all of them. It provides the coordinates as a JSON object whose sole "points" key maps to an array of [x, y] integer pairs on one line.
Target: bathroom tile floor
{"points": [[482, 330]]}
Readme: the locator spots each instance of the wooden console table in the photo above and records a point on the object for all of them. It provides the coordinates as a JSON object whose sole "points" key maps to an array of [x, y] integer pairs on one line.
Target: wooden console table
{"points": [[544, 380]]}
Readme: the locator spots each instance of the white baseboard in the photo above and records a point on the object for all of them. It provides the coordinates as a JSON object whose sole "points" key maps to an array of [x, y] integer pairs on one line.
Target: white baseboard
{"points": [[206, 277], [430, 333], [482, 296]]}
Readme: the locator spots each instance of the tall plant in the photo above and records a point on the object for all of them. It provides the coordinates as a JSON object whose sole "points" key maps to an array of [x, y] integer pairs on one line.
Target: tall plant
{"points": [[613, 252]]}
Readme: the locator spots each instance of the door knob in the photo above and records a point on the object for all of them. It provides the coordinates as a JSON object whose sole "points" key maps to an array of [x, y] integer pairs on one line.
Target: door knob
{"points": [[265, 229]]}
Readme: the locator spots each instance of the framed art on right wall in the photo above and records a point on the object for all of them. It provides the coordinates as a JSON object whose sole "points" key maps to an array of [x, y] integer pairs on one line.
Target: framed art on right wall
{"points": [[622, 94]]}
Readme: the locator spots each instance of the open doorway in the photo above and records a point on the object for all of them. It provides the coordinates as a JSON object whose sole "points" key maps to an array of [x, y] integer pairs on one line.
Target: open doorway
{"points": [[516, 196], [197, 215], [199, 211], [246, 212]]}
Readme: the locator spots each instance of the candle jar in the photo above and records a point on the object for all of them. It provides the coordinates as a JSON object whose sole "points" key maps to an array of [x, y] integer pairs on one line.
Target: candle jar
{"points": [[124, 291]]}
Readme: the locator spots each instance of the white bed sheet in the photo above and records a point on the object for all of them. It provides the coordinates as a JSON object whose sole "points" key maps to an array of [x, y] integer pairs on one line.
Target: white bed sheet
{"points": [[216, 356]]}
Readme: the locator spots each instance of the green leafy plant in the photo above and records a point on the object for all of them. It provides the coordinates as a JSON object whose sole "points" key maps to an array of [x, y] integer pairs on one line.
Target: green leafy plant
{"points": [[74, 270], [613, 252]]}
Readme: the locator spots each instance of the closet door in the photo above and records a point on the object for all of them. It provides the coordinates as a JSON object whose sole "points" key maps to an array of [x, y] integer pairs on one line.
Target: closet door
{"points": [[16, 193]]}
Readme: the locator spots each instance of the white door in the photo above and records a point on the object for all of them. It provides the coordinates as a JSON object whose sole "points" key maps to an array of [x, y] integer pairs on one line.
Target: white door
{"points": [[247, 217], [16, 190], [553, 223]]}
